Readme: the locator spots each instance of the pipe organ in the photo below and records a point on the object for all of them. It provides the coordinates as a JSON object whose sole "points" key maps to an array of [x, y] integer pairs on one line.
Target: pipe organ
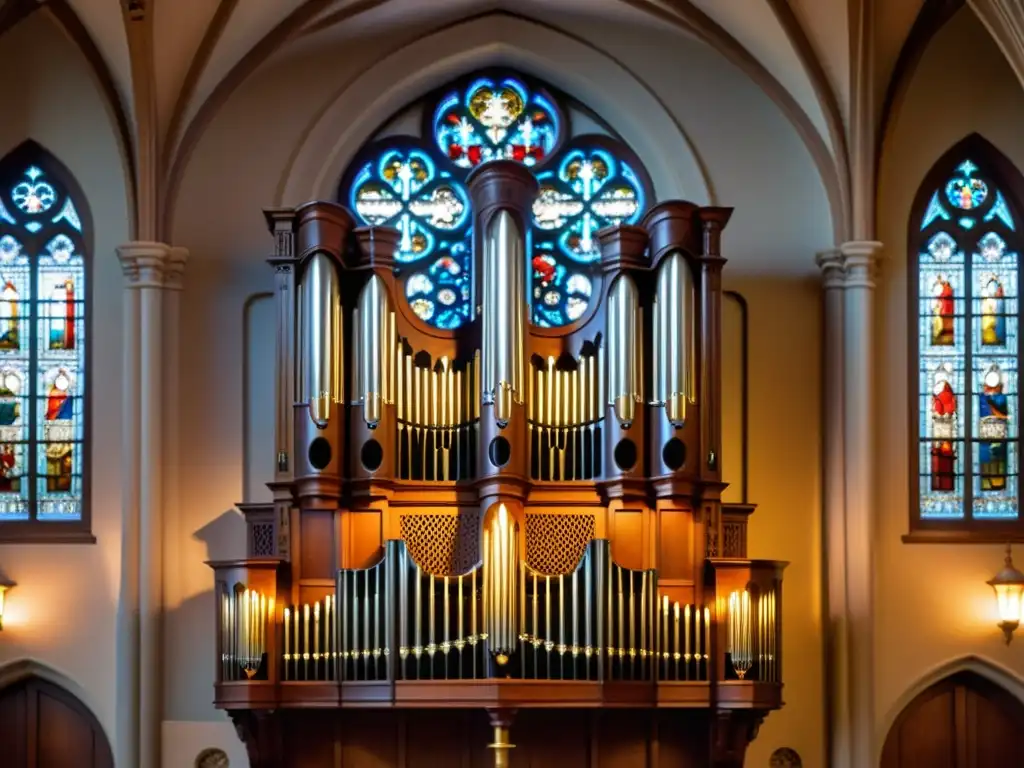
{"points": [[506, 519]]}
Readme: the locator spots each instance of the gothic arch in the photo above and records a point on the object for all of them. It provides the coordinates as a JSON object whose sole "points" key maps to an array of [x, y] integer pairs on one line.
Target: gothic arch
{"points": [[978, 665], [56, 684], [571, 65], [942, 257], [38, 243]]}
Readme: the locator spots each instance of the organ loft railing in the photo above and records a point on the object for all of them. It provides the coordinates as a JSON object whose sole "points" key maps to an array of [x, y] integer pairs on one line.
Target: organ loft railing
{"points": [[501, 516]]}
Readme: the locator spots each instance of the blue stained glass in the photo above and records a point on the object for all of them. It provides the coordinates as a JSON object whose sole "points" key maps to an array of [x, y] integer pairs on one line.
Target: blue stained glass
{"points": [[995, 302], [942, 388], [935, 211], [1001, 211], [69, 214], [588, 190], [403, 189], [42, 350], [33, 195], [994, 450], [984, 452], [589, 185], [495, 119], [966, 191], [941, 247], [441, 294]]}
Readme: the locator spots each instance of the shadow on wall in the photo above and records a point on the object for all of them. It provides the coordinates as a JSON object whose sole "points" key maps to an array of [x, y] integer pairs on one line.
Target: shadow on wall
{"points": [[193, 620], [221, 536]]}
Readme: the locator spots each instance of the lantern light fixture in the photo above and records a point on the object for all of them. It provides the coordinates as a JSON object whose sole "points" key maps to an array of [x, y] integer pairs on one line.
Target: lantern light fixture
{"points": [[5, 587], [1009, 588]]}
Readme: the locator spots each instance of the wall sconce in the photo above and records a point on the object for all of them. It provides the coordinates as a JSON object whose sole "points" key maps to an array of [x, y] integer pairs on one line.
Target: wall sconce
{"points": [[1009, 587], [4, 587]]}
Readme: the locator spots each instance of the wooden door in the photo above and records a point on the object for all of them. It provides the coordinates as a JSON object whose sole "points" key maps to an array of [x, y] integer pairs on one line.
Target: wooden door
{"points": [[44, 726], [963, 721]]}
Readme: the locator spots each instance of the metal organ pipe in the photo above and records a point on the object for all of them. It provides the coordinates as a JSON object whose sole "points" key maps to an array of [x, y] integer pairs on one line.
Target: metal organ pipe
{"points": [[504, 315], [624, 349], [500, 565], [374, 350], [321, 328], [675, 338]]}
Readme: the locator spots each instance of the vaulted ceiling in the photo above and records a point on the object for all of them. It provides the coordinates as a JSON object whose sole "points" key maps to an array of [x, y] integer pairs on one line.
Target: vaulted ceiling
{"points": [[172, 63]]}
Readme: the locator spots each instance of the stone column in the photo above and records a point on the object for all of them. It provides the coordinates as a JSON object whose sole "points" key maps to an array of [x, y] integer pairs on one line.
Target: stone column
{"points": [[172, 532], [145, 265], [834, 493], [849, 494], [127, 645], [859, 260]]}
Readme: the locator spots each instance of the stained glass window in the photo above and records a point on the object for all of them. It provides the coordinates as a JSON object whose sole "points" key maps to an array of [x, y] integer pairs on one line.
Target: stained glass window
{"points": [[968, 350], [417, 184], [42, 340]]}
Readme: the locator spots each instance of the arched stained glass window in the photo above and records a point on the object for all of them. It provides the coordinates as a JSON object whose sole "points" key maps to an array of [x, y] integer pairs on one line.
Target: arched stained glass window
{"points": [[587, 180], [965, 245], [44, 241]]}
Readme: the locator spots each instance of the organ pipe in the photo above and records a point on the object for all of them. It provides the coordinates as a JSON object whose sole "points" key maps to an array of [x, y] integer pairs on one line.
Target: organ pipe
{"points": [[374, 350], [624, 349], [501, 561], [675, 337], [322, 341], [504, 316]]}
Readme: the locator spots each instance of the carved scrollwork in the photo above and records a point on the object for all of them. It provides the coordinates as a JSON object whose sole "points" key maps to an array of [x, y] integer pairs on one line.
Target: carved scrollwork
{"points": [[260, 731], [733, 732]]}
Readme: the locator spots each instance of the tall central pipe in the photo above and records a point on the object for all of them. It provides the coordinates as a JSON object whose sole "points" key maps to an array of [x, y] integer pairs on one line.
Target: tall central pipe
{"points": [[504, 313], [502, 192]]}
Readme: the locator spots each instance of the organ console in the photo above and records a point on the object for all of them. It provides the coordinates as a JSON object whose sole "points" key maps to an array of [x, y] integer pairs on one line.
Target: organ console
{"points": [[500, 518]]}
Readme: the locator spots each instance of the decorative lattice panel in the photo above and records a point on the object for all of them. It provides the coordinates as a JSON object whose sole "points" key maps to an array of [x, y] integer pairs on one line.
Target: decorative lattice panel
{"points": [[444, 545], [555, 543], [262, 539], [734, 538]]}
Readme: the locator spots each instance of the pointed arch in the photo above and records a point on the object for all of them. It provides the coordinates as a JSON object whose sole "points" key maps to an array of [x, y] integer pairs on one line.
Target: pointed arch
{"points": [[984, 669], [55, 702], [46, 238], [965, 237]]}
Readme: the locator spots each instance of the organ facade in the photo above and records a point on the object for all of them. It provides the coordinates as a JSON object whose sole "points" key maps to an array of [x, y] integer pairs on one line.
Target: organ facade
{"points": [[507, 512]]}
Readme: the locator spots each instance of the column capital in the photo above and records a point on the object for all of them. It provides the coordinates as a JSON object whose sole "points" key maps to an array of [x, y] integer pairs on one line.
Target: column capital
{"points": [[144, 263], [860, 260], [830, 263], [851, 265]]}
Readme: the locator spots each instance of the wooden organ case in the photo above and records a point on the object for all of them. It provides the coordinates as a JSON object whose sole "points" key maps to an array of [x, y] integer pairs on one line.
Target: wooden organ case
{"points": [[505, 519]]}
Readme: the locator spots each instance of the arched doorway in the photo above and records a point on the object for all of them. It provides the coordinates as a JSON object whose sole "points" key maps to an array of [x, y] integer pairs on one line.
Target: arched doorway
{"points": [[44, 726], [963, 721]]}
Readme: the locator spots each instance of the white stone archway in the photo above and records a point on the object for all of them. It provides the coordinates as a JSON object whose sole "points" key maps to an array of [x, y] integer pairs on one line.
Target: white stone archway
{"points": [[597, 80]]}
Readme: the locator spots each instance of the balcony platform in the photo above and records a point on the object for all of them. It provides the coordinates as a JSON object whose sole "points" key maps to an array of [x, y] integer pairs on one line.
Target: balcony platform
{"points": [[497, 694]]}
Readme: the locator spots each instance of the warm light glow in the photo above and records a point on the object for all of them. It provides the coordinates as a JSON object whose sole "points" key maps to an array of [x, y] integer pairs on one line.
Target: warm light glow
{"points": [[1009, 587], [3, 595], [1008, 599]]}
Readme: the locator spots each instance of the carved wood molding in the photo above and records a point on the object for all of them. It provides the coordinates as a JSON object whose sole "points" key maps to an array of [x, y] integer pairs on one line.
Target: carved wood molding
{"points": [[732, 732], [260, 731]]}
